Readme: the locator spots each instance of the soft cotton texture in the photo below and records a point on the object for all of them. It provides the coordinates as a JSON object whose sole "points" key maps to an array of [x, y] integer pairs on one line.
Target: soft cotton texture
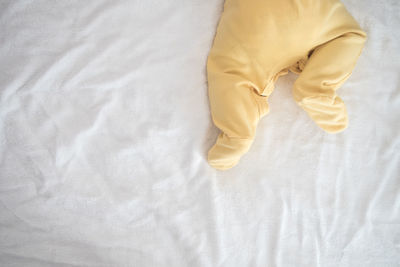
{"points": [[105, 126], [258, 41]]}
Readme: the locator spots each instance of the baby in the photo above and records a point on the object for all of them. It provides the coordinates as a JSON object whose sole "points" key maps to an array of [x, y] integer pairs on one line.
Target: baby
{"points": [[259, 40]]}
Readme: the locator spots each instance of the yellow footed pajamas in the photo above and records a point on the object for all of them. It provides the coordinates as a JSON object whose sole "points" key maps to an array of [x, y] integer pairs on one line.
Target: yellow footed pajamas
{"points": [[259, 40]]}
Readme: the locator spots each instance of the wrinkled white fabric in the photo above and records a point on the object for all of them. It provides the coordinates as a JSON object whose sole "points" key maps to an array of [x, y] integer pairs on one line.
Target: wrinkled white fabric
{"points": [[105, 126]]}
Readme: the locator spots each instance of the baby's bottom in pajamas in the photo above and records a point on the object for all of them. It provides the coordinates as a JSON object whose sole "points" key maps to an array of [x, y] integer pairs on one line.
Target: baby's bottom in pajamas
{"points": [[237, 106]]}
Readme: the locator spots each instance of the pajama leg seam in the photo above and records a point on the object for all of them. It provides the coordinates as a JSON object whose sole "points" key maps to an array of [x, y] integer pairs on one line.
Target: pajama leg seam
{"points": [[252, 92]]}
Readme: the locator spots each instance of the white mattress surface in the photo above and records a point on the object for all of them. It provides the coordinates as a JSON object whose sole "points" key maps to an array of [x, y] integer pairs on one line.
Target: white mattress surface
{"points": [[105, 126]]}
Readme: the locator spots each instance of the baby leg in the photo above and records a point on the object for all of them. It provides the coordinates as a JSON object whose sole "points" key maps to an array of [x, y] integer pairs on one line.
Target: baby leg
{"points": [[329, 66], [236, 110]]}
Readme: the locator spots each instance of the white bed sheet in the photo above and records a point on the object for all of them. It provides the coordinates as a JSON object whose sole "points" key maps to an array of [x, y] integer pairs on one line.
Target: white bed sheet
{"points": [[105, 125]]}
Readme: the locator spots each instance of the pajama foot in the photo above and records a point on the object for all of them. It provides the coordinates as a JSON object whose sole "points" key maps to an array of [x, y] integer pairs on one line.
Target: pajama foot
{"points": [[227, 151], [328, 113]]}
